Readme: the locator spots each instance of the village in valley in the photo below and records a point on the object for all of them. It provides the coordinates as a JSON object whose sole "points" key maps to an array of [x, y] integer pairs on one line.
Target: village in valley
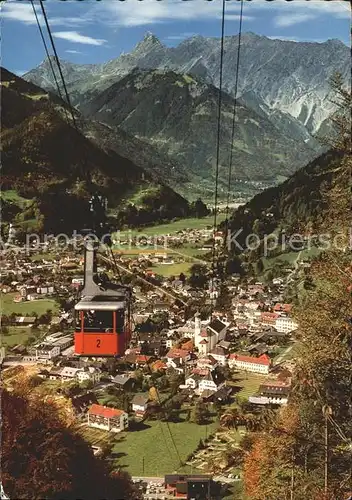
{"points": [[207, 361]]}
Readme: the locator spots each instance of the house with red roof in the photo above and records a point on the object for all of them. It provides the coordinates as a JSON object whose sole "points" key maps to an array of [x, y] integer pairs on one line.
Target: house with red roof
{"points": [[158, 366], [143, 359], [249, 363], [269, 318], [178, 354], [108, 419], [282, 308], [177, 358]]}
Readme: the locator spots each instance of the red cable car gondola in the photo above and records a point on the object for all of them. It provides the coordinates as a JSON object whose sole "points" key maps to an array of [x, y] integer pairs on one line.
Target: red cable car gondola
{"points": [[102, 314]]}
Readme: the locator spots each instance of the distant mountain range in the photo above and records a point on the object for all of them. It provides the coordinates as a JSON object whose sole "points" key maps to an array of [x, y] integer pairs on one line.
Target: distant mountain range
{"points": [[178, 115], [283, 87]]}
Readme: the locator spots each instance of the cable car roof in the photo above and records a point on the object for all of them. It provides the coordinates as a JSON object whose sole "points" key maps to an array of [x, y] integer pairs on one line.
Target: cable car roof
{"points": [[84, 305]]}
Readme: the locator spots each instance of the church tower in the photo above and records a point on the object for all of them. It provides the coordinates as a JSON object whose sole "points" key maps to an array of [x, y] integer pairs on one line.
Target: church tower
{"points": [[197, 330]]}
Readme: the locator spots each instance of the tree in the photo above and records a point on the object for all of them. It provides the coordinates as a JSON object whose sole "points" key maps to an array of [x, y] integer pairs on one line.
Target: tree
{"points": [[198, 277], [139, 378], [42, 458], [120, 401], [71, 389], [200, 209], [182, 277], [111, 366], [232, 418], [153, 394], [199, 413], [224, 300], [259, 267], [162, 383], [87, 384], [341, 120], [175, 380]]}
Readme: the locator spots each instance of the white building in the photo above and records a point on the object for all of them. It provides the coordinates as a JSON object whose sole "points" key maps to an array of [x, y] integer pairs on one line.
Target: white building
{"points": [[89, 373], [69, 373], [285, 325], [220, 354], [275, 392], [80, 374], [192, 381], [140, 404], [63, 342], [212, 382], [47, 351], [205, 339], [249, 363], [107, 419]]}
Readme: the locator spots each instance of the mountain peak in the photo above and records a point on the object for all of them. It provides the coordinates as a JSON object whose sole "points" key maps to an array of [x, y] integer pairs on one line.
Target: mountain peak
{"points": [[150, 37], [49, 58], [149, 43], [334, 41]]}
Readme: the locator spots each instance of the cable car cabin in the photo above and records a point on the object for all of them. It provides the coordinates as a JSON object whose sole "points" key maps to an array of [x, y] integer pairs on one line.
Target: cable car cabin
{"points": [[102, 327], [102, 314]]}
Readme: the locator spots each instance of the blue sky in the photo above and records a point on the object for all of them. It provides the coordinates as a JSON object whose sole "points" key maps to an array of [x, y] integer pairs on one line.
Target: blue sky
{"points": [[92, 31]]}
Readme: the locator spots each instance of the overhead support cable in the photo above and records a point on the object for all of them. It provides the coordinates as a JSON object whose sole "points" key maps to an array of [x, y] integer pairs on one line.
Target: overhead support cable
{"points": [[218, 142], [46, 49], [58, 63], [229, 182]]}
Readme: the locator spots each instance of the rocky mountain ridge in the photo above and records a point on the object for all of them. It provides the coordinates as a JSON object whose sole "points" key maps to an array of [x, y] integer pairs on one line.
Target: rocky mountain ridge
{"points": [[288, 76]]}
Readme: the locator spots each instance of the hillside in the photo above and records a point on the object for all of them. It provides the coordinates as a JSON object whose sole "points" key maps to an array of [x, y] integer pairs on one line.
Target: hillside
{"points": [[291, 455], [46, 158], [305, 451], [178, 115], [294, 205]]}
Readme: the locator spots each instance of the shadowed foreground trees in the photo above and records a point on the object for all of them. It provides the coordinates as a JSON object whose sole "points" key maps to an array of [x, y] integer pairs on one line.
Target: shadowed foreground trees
{"points": [[306, 454], [41, 458]]}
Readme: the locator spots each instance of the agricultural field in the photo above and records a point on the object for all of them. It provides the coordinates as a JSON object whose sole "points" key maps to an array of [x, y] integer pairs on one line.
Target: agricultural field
{"points": [[16, 335], [290, 258], [174, 227], [152, 442], [176, 269], [40, 306], [96, 437], [246, 384]]}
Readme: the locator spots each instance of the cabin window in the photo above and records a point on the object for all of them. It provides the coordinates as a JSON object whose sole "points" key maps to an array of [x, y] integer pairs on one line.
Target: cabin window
{"points": [[98, 321], [120, 321], [78, 323]]}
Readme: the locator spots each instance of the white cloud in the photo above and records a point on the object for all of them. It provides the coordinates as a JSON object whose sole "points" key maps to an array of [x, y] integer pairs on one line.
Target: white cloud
{"points": [[236, 17], [290, 13], [23, 13], [335, 8], [19, 12], [284, 21], [153, 12], [148, 12], [181, 36], [73, 36], [73, 51]]}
